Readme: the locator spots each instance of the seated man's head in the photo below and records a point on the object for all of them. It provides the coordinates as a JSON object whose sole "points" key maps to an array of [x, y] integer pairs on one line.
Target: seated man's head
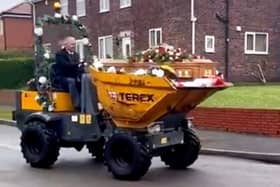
{"points": [[69, 44]]}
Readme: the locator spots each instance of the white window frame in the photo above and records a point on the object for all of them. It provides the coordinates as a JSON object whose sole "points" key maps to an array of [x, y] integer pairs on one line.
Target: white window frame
{"points": [[125, 3], [207, 49], [104, 49], [124, 40], [104, 9], [254, 43], [83, 10], [64, 7], [150, 38], [80, 43], [1, 27]]}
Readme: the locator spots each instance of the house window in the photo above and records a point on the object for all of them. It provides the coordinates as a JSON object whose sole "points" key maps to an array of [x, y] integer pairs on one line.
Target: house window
{"points": [[104, 5], [256, 43], [80, 49], [125, 3], [64, 7], [155, 37], [81, 7], [210, 44], [105, 47]]}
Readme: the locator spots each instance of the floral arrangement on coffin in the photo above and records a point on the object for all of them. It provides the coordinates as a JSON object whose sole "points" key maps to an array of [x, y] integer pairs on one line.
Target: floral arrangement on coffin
{"points": [[163, 54]]}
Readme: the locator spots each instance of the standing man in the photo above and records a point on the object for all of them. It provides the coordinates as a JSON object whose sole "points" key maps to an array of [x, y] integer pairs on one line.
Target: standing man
{"points": [[68, 69]]}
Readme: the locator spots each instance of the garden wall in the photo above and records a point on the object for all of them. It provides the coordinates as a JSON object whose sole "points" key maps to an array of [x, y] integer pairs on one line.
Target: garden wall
{"points": [[256, 121]]}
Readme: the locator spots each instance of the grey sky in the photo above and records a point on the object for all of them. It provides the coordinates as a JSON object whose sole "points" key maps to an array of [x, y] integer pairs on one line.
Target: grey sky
{"points": [[6, 4]]}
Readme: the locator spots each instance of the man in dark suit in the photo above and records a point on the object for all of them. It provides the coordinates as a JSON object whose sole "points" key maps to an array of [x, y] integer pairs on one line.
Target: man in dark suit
{"points": [[68, 69]]}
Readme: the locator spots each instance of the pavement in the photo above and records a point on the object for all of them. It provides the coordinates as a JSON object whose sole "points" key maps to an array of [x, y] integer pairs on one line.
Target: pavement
{"points": [[219, 143], [240, 145]]}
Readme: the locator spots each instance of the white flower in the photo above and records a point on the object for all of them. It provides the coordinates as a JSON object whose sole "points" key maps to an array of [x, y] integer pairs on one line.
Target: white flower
{"points": [[151, 61], [82, 27], [178, 54], [112, 69], [38, 31], [57, 15], [122, 70], [37, 98], [47, 55], [171, 53], [50, 108], [99, 105], [171, 58], [157, 50], [140, 72], [85, 41], [42, 80], [154, 71], [160, 73], [75, 18], [98, 65], [171, 48], [95, 59]]}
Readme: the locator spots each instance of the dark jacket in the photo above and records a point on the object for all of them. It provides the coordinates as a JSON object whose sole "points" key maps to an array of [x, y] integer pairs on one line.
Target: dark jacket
{"points": [[67, 64]]}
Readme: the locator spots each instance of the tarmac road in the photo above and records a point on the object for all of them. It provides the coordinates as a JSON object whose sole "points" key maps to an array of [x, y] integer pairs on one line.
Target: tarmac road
{"points": [[77, 169]]}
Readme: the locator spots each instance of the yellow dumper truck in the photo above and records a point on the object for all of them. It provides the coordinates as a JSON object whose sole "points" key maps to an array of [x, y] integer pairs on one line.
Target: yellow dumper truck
{"points": [[125, 120]]}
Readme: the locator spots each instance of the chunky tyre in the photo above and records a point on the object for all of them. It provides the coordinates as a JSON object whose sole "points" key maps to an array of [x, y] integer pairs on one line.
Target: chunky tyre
{"points": [[39, 145], [126, 158], [96, 149], [183, 155]]}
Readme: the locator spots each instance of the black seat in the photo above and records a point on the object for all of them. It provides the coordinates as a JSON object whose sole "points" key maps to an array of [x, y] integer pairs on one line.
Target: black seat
{"points": [[55, 83]]}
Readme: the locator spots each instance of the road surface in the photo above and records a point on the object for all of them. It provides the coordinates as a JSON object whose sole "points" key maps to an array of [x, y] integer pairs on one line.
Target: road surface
{"points": [[77, 169]]}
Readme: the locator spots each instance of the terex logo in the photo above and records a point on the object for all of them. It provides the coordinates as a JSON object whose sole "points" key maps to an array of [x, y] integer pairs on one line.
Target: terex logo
{"points": [[133, 97]]}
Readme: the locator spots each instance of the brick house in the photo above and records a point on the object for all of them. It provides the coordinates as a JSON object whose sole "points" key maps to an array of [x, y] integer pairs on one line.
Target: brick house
{"points": [[16, 28], [239, 35]]}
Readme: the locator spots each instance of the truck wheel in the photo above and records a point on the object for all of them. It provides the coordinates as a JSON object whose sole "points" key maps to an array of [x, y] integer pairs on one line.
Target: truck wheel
{"points": [[96, 149], [39, 145], [183, 155], [126, 158]]}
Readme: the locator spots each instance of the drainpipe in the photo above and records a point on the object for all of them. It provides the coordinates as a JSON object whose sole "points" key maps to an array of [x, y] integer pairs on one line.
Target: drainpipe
{"points": [[33, 12], [193, 20], [227, 41], [4, 33], [225, 21], [34, 17]]}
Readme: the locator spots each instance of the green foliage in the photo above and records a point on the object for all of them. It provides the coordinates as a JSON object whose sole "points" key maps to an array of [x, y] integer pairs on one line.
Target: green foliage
{"points": [[15, 54], [5, 114], [15, 72]]}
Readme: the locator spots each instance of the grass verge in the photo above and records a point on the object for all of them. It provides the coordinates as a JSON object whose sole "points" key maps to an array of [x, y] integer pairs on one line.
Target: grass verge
{"points": [[266, 97], [5, 114]]}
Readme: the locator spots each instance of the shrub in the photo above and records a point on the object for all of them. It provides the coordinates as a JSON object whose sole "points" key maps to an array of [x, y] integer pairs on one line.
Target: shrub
{"points": [[15, 72], [15, 54]]}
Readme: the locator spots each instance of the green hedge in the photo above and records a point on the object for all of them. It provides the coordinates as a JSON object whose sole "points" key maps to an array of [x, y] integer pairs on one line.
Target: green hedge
{"points": [[15, 54], [15, 72]]}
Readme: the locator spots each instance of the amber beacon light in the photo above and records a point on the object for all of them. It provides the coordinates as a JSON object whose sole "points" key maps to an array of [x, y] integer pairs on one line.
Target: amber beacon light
{"points": [[57, 6]]}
